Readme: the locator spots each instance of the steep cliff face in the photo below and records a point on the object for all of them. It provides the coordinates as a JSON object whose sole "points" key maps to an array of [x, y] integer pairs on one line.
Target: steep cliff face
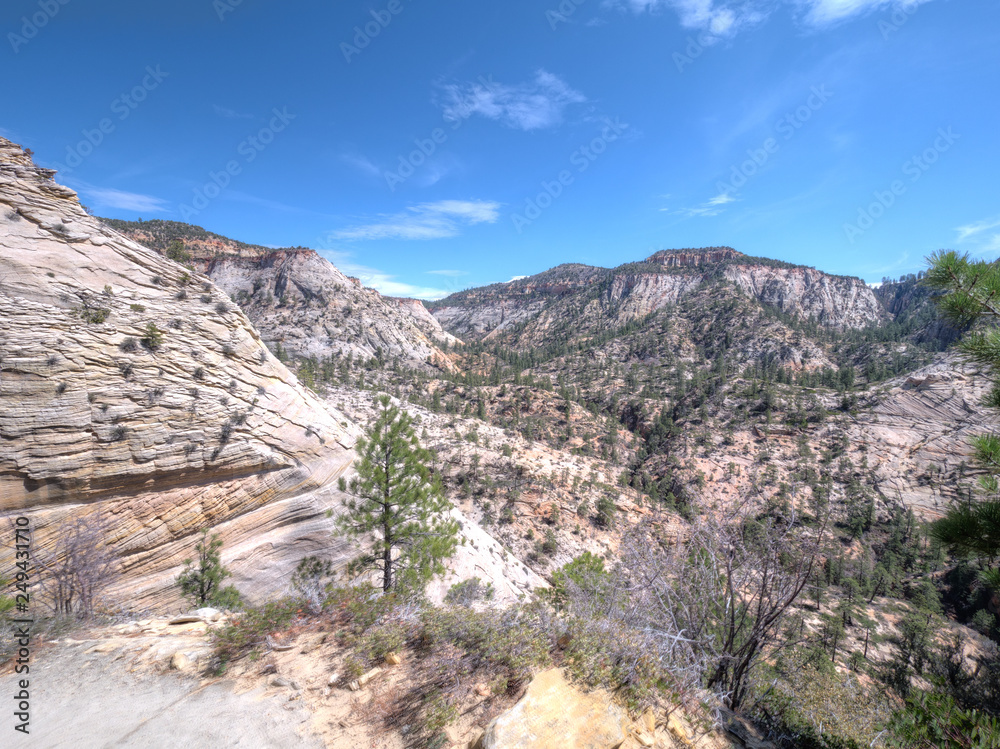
{"points": [[912, 308], [133, 387], [833, 301], [634, 290], [301, 301], [694, 258]]}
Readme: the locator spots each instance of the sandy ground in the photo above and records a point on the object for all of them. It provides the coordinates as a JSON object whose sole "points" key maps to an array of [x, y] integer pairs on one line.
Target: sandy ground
{"points": [[86, 701]]}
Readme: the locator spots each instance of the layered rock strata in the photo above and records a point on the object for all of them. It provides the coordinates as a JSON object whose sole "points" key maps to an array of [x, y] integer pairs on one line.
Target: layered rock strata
{"points": [[134, 388]]}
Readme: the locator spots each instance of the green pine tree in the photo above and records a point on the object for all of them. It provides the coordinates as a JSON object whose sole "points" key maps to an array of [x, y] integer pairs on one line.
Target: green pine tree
{"points": [[202, 582], [972, 298], [397, 502]]}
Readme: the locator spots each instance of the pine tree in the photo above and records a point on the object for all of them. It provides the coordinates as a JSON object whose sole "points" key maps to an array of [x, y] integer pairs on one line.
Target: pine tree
{"points": [[203, 583], [972, 298], [396, 500]]}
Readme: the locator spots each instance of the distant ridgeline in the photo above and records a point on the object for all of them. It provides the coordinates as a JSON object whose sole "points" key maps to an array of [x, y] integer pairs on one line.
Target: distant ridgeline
{"points": [[708, 262]]}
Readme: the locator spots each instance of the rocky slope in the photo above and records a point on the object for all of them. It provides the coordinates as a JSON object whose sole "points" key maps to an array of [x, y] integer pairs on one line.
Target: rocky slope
{"points": [[632, 291], [134, 388], [302, 302]]}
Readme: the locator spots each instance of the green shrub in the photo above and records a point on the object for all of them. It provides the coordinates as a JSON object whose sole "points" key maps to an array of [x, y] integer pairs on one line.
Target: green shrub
{"points": [[933, 720], [388, 637], [606, 512], [94, 315], [152, 339], [550, 545], [438, 714], [178, 253], [247, 632], [469, 591], [509, 642], [586, 573]]}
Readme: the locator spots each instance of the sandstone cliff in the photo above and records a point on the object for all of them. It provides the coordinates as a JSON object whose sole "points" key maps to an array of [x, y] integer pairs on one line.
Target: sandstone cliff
{"points": [[299, 300], [135, 388], [632, 291]]}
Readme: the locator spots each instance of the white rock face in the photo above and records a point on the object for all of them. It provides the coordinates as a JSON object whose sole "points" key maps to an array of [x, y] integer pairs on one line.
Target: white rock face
{"points": [[302, 301], [482, 556], [918, 434], [632, 292], [203, 428]]}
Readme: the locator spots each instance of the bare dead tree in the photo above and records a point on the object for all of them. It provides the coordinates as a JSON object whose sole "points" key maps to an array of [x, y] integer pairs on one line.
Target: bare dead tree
{"points": [[722, 593], [79, 567]]}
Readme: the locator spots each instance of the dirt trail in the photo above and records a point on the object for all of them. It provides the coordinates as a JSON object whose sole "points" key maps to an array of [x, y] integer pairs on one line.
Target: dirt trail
{"points": [[83, 700]]}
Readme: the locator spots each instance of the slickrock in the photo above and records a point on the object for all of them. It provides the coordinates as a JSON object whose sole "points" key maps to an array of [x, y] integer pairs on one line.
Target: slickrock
{"points": [[917, 434], [134, 388]]}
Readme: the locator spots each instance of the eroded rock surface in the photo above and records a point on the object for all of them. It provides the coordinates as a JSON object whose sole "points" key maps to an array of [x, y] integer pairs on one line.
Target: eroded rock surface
{"points": [[300, 301], [555, 715], [133, 387]]}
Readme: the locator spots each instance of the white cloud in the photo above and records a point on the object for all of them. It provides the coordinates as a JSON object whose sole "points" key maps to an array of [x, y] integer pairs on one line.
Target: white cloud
{"points": [[715, 20], [979, 237], [439, 220], [711, 207], [721, 199], [516, 278], [382, 282], [723, 19], [108, 197], [829, 12], [537, 104], [973, 230], [361, 163], [230, 114]]}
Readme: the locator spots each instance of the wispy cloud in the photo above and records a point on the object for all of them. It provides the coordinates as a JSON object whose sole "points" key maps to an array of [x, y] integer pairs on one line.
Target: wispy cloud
{"points": [[980, 237], [439, 220], [534, 105], [820, 13], [725, 18], [361, 163], [973, 230], [230, 114], [715, 19], [711, 207], [382, 282], [449, 273], [108, 197]]}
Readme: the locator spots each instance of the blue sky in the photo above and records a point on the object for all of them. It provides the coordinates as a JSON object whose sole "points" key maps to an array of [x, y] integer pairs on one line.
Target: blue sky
{"points": [[428, 147]]}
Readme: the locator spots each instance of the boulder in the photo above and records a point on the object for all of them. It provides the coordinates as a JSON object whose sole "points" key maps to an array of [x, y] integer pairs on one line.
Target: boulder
{"points": [[554, 715], [186, 619], [208, 614], [180, 662]]}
